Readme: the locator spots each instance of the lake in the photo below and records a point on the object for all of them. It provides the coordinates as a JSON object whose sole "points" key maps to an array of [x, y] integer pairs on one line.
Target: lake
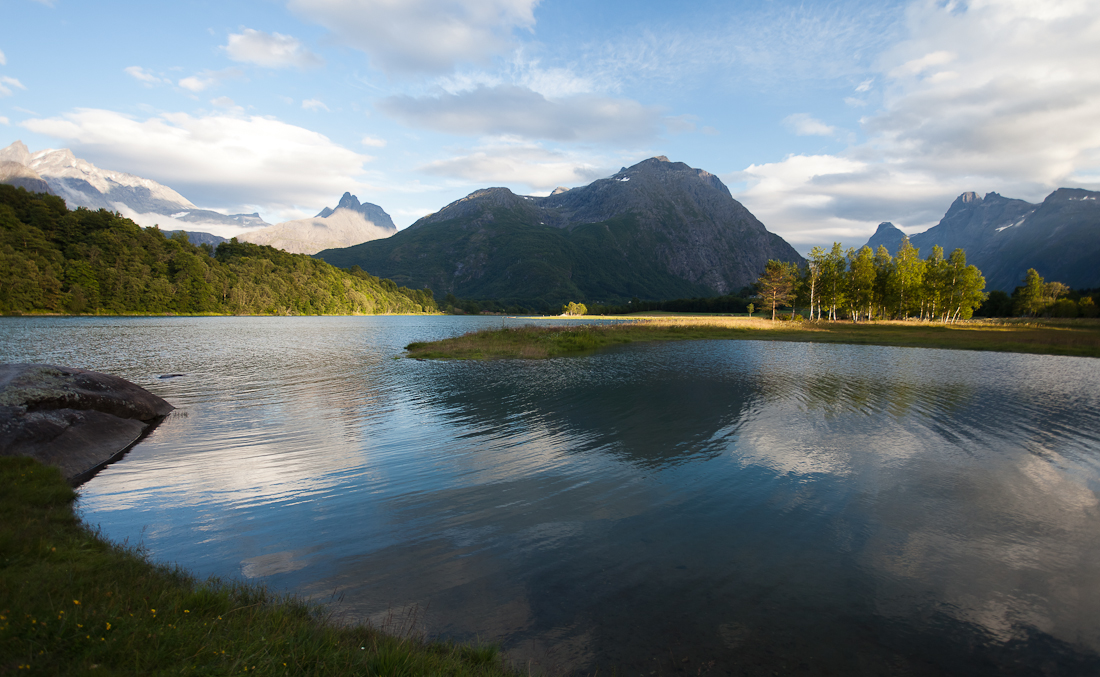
{"points": [[710, 507]]}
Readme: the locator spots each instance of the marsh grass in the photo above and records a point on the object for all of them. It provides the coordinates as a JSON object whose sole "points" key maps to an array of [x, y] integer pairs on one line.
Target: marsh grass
{"points": [[73, 603], [1052, 337]]}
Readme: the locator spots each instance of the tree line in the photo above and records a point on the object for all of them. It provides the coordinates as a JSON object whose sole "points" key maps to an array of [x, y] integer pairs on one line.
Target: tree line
{"points": [[57, 260], [1038, 298], [864, 284]]}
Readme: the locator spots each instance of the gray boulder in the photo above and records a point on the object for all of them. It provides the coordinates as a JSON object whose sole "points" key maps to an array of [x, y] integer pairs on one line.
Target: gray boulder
{"points": [[75, 419]]}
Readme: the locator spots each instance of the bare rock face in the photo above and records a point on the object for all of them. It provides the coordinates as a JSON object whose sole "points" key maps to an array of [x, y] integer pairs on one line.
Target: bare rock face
{"points": [[75, 419]]}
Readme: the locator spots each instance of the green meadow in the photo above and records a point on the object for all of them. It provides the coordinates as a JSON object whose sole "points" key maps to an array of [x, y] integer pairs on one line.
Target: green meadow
{"points": [[72, 603], [1079, 337]]}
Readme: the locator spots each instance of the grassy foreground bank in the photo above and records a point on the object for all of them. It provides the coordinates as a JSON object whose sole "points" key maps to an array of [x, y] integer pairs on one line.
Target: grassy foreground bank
{"points": [[1049, 337], [72, 603]]}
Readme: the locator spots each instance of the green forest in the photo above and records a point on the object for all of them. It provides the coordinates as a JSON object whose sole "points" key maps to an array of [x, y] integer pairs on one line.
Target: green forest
{"points": [[56, 260]]}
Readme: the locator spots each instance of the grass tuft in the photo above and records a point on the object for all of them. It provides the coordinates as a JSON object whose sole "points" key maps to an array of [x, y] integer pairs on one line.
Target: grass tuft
{"points": [[72, 603]]}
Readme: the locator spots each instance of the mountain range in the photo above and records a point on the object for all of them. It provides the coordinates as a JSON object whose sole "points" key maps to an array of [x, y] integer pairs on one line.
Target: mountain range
{"points": [[1004, 237], [656, 230], [81, 184]]}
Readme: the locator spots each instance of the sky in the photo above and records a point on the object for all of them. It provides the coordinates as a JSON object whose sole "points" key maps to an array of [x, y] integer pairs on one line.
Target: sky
{"points": [[823, 118]]}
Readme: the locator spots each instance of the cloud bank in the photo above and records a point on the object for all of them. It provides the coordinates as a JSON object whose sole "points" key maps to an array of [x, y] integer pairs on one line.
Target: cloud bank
{"points": [[991, 96], [519, 111], [234, 161]]}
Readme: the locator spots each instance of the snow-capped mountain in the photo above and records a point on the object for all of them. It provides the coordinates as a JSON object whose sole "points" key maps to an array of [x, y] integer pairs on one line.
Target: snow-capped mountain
{"points": [[146, 202]]}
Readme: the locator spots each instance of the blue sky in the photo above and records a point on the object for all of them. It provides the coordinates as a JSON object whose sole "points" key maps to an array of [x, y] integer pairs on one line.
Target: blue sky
{"points": [[823, 118]]}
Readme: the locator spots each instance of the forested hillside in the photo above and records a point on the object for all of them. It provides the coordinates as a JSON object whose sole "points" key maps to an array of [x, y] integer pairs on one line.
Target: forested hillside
{"points": [[56, 260]]}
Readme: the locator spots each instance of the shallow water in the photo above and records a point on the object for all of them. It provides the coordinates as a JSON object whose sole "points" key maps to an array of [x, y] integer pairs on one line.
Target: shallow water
{"points": [[701, 507]]}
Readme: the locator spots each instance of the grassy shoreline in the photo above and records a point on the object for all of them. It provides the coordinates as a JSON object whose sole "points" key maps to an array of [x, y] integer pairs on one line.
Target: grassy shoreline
{"points": [[1079, 338], [71, 603]]}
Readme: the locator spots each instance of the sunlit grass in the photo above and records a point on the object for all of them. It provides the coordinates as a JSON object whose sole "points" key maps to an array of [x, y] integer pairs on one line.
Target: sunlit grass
{"points": [[72, 603], [1053, 337]]}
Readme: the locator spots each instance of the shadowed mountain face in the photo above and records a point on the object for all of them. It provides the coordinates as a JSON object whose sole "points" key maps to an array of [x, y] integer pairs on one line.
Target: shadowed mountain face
{"points": [[888, 235], [1004, 237], [656, 230]]}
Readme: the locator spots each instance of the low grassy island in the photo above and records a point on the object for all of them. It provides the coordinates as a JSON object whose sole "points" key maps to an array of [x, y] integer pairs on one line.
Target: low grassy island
{"points": [[1049, 337], [72, 603]]}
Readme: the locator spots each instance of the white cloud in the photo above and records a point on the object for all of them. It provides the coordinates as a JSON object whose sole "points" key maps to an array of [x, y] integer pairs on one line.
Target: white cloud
{"points": [[373, 142], [139, 73], [207, 79], [511, 163], [314, 104], [7, 83], [804, 124], [819, 199], [3, 59], [922, 64], [270, 50], [227, 103], [514, 110], [231, 161], [196, 83], [421, 35], [4, 120], [994, 96], [866, 85]]}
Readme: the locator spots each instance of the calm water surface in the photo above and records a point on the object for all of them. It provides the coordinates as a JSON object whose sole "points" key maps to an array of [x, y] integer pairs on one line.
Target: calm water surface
{"points": [[702, 507]]}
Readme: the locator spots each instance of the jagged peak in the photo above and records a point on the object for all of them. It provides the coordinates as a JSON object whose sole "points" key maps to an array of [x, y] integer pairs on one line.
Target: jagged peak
{"points": [[348, 201], [16, 152], [886, 227], [559, 190]]}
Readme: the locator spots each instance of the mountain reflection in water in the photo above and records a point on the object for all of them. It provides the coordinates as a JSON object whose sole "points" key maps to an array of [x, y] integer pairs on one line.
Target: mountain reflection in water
{"points": [[704, 507]]}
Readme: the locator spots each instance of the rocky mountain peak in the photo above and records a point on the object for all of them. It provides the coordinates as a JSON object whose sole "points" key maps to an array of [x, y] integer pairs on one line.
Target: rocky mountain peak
{"points": [[965, 201], [886, 235], [559, 190], [348, 201], [16, 152], [370, 212]]}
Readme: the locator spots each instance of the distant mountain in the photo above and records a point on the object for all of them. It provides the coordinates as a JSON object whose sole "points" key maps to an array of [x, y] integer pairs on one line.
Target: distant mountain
{"points": [[888, 235], [1004, 237], [197, 238], [21, 176], [370, 212], [82, 184], [351, 223], [657, 230]]}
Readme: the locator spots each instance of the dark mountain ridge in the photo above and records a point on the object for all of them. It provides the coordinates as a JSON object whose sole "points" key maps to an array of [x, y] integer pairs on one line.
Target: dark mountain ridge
{"points": [[1003, 237], [656, 230]]}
